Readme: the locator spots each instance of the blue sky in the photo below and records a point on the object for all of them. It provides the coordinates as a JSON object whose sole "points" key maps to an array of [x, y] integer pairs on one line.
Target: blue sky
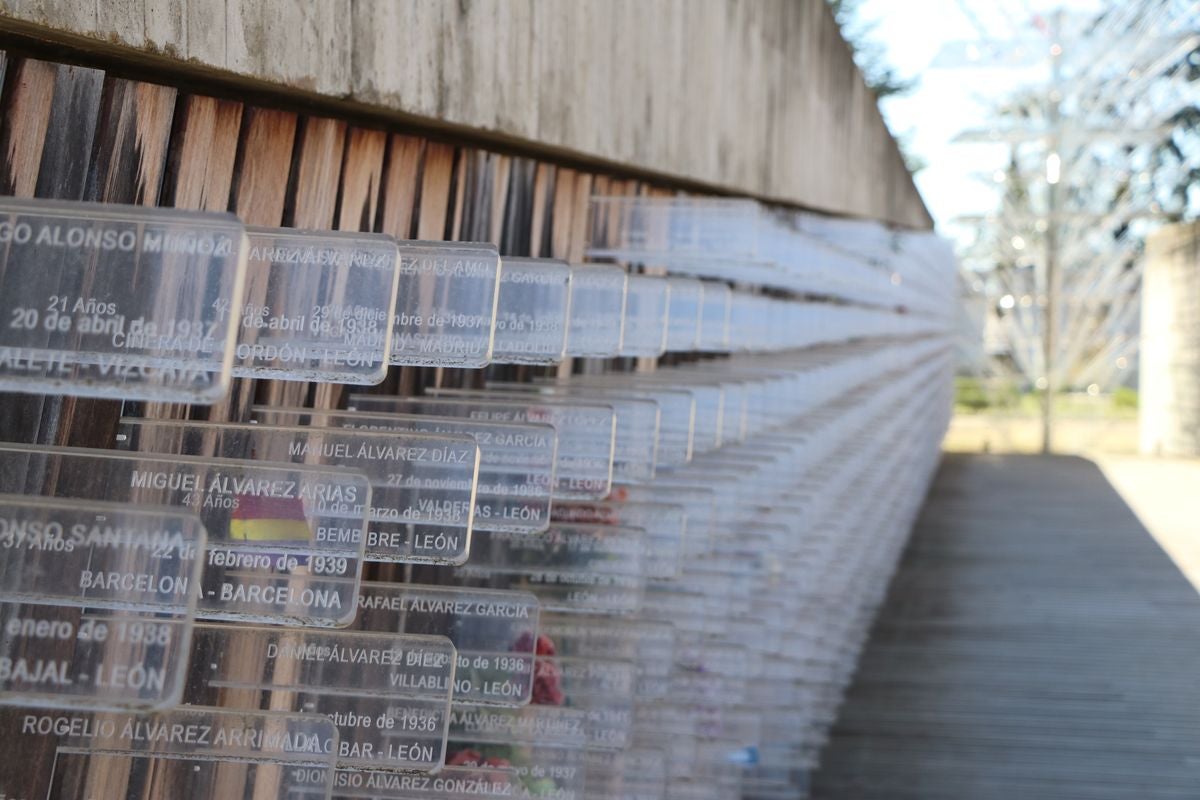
{"points": [[949, 98]]}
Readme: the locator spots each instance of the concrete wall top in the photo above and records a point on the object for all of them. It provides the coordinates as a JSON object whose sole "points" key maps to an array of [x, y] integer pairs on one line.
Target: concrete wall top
{"points": [[759, 98]]}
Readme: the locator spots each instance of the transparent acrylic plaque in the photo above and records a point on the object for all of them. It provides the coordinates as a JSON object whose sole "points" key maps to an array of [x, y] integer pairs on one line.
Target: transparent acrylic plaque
{"points": [[532, 311], [665, 525], [602, 688], [471, 781], [597, 311], [416, 480], [494, 633], [545, 746], [586, 430], [388, 694], [700, 502], [605, 771], [96, 603], [715, 309], [446, 304], [735, 411], [317, 307], [673, 229], [516, 461], [676, 413], [644, 775], [707, 401], [723, 486], [649, 644], [285, 542], [635, 445], [709, 404], [683, 318], [118, 301], [571, 567], [647, 303], [189, 752]]}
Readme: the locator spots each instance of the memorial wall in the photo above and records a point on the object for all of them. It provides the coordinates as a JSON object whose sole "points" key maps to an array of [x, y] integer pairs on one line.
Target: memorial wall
{"points": [[341, 460]]}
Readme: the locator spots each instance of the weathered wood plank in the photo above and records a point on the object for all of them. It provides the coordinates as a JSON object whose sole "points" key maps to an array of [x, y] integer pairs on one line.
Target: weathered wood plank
{"points": [[401, 179], [502, 169], [315, 177], [204, 153], [130, 159], [578, 217], [260, 193], [362, 177], [263, 166], [518, 209], [544, 178], [564, 200], [26, 109], [62, 104], [358, 208], [312, 203], [199, 175], [56, 105], [437, 171]]}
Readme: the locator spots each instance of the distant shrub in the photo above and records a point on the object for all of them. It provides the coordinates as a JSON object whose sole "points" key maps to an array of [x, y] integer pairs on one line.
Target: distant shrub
{"points": [[969, 393], [1125, 398]]}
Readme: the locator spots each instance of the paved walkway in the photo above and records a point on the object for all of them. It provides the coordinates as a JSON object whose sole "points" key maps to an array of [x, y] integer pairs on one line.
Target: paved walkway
{"points": [[1036, 643]]}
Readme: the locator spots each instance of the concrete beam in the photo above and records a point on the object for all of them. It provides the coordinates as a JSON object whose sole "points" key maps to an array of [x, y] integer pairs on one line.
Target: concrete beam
{"points": [[760, 98]]}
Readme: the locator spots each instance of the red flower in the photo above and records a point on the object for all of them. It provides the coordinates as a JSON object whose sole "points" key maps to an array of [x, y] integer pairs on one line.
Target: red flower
{"points": [[547, 684], [544, 646], [465, 758]]}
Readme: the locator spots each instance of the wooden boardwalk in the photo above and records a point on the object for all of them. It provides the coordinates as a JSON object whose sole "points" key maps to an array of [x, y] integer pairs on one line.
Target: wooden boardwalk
{"points": [[1036, 643]]}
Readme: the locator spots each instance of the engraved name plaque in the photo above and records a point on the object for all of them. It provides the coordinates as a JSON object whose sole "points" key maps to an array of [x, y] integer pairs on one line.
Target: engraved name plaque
{"points": [[194, 753], [676, 417], [544, 745], [597, 311], [317, 306], [647, 303], [532, 311], [602, 688], [474, 782], [572, 567], [446, 304], [96, 603], [516, 462], [683, 323], [635, 445], [118, 301], [388, 694], [707, 403], [665, 525], [285, 542], [415, 479], [644, 775], [648, 644], [700, 502], [715, 311], [586, 430], [494, 633]]}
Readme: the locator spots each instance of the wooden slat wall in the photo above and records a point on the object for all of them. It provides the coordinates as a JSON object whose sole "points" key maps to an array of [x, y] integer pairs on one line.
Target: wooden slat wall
{"points": [[74, 133]]}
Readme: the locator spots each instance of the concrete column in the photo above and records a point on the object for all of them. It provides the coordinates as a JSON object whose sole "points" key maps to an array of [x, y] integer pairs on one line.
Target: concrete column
{"points": [[1169, 365]]}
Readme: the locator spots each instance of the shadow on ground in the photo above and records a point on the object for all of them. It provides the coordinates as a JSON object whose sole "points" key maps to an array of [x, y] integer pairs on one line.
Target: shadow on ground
{"points": [[1036, 642]]}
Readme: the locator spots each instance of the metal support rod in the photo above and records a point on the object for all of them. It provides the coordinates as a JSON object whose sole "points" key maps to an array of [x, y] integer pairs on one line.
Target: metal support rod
{"points": [[1055, 167]]}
